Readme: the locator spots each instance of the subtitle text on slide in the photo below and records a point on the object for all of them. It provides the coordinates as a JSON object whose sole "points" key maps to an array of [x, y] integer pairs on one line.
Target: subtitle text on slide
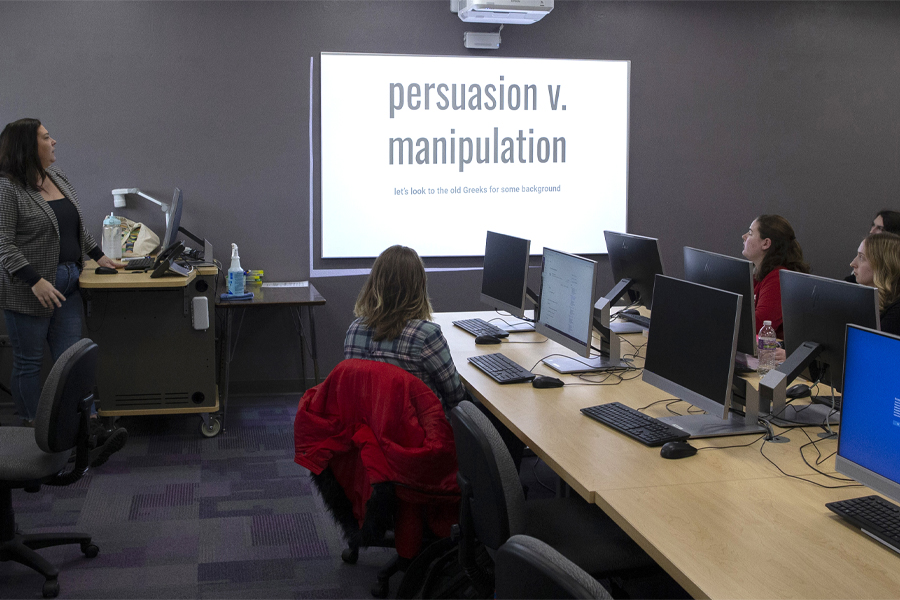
{"points": [[480, 189]]}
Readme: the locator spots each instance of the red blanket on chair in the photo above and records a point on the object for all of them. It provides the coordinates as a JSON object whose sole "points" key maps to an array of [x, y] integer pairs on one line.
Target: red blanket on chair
{"points": [[373, 422]]}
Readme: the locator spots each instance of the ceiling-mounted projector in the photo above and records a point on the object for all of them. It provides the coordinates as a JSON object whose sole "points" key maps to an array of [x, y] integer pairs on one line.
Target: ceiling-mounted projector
{"points": [[507, 12]]}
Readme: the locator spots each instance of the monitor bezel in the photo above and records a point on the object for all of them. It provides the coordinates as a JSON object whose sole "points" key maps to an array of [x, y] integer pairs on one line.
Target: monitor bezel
{"points": [[516, 311], [748, 306], [847, 467], [582, 348]]}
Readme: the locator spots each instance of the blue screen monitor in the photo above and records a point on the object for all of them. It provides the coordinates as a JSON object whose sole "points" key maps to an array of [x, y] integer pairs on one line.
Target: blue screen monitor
{"points": [[869, 438]]}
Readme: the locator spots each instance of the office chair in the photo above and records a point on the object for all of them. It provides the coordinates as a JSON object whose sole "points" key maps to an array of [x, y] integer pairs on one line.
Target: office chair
{"points": [[381, 454], [493, 509], [30, 458], [529, 568]]}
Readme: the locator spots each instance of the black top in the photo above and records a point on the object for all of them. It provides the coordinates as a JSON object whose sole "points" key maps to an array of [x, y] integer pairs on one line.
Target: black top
{"points": [[69, 241], [890, 319]]}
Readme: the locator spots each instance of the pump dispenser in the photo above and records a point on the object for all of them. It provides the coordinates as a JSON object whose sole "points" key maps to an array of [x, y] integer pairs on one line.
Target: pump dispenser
{"points": [[235, 273]]}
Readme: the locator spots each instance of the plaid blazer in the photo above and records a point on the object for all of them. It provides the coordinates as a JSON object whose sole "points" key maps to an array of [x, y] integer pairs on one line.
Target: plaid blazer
{"points": [[29, 234]]}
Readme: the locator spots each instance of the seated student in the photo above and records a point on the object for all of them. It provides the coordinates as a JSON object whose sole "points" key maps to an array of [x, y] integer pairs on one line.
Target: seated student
{"points": [[771, 246], [887, 221], [877, 264], [393, 325]]}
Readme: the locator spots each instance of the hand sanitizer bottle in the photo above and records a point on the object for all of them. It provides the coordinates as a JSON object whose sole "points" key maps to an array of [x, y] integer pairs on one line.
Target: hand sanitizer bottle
{"points": [[112, 237], [235, 273]]}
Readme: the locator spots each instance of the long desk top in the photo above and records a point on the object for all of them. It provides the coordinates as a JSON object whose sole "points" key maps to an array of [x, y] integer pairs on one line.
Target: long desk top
{"points": [[684, 512]]}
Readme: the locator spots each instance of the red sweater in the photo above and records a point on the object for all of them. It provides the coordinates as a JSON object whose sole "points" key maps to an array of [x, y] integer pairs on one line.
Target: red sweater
{"points": [[767, 295]]}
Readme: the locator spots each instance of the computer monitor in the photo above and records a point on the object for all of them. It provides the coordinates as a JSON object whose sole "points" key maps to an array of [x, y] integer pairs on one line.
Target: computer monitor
{"points": [[173, 220], [869, 439], [690, 354], [637, 259], [732, 275], [567, 306], [816, 311], [504, 281]]}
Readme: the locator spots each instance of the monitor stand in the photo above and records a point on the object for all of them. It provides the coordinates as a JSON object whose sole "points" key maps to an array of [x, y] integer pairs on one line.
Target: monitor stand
{"points": [[611, 362]]}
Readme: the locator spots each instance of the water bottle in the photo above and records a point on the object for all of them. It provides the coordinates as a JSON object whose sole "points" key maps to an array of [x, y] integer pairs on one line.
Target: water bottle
{"points": [[235, 273], [768, 345], [112, 237]]}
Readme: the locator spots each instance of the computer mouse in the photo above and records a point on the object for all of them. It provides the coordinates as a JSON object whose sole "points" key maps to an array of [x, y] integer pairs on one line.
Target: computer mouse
{"points": [[800, 390], [542, 381], [105, 271], [486, 339], [677, 450]]}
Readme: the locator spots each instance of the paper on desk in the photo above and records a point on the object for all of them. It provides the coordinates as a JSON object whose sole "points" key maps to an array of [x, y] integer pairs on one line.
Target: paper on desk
{"points": [[280, 284]]}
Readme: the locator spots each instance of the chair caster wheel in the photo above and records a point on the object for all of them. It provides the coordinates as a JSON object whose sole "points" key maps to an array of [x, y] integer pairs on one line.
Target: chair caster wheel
{"points": [[51, 588], [380, 589], [90, 550], [350, 556]]}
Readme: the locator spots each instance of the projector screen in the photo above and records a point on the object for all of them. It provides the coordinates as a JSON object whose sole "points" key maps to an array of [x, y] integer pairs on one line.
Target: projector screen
{"points": [[433, 151]]}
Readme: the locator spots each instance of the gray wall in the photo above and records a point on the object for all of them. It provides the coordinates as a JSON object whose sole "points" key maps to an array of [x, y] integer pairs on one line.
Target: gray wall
{"points": [[737, 109]]}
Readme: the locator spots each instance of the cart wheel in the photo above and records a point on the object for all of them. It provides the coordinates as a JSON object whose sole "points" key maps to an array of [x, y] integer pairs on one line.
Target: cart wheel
{"points": [[215, 426]]}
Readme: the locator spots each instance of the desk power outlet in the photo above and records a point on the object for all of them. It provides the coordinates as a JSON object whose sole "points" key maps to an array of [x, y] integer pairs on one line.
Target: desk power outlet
{"points": [[200, 313]]}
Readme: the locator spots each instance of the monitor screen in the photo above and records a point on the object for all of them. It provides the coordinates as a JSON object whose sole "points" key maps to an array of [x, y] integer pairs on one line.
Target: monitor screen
{"points": [[173, 220], [869, 442], [729, 274], [690, 353], [817, 309], [505, 275], [636, 258], [567, 300]]}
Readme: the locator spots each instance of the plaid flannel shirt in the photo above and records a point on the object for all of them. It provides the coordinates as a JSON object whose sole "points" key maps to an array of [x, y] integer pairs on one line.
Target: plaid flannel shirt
{"points": [[420, 349], [29, 235]]}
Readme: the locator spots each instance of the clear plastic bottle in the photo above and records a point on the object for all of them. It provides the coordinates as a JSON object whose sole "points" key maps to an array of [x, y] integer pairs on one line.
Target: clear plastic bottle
{"points": [[768, 345], [112, 237], [235, 273]]}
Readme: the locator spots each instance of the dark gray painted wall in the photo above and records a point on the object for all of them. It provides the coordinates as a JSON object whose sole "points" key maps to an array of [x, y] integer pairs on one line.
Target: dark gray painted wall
{"points": [[737, 108]]}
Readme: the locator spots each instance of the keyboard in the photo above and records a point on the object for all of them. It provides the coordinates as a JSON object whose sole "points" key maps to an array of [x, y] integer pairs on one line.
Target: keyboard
{"points": [[140, 263], [634, 424], [480, 327], [874, 515], [501, 369], [639, 319]]}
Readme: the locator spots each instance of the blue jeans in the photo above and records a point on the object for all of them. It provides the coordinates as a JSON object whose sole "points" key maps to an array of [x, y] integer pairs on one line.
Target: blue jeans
{"points": [[29, 334]]}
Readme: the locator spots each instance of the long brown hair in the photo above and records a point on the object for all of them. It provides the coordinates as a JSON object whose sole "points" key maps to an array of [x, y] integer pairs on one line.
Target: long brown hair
{"points": [[883, 251], [785, 250], [19, 160], [395, 292]]}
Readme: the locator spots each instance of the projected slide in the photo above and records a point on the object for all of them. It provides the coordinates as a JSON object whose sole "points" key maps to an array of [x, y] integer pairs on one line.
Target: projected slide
{"points": [[431, 152]]}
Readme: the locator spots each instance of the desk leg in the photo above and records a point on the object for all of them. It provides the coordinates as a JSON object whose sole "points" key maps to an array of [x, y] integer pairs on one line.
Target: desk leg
{"points": [[313, 351]]}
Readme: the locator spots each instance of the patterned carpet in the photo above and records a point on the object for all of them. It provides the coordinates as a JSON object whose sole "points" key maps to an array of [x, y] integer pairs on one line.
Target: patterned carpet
{"points": [[177, 515]]}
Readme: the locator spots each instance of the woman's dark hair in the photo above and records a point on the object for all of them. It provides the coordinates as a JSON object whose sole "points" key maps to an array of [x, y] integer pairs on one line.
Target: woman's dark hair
{"points": [[785, 250], [891, 219], [395, 292], [19, 160]]}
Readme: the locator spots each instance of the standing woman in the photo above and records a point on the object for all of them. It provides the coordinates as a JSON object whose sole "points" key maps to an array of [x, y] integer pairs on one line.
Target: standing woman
{"points": [[43, 241], [771, 246], [877, 264]]}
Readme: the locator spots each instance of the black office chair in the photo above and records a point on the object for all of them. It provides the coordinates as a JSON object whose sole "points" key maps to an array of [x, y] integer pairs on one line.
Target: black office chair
{"points": [[493, 509], [529, 568], [30, 458]]}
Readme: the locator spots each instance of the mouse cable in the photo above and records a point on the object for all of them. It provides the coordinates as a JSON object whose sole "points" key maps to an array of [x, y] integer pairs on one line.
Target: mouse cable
{"points": [[827, 487], [734, 446]]}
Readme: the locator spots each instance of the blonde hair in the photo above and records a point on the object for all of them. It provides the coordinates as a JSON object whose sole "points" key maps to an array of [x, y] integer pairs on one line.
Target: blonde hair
{"points": [[395, 292], [883, 251]]}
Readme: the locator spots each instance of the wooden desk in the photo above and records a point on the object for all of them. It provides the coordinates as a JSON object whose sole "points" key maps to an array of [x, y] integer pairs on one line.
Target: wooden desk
{"points": [[724, 523], [152, 360], [294, 299]]}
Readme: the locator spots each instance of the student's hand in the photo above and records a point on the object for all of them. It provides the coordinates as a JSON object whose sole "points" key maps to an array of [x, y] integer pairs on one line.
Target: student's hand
{"points": [[47, 294], [106, 261]]}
